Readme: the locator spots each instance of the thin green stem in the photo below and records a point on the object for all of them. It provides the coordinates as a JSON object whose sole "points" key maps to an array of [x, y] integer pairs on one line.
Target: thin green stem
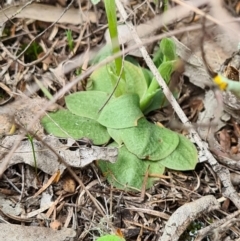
{"points": [[165, 5], [30, 138], [112, 25]]}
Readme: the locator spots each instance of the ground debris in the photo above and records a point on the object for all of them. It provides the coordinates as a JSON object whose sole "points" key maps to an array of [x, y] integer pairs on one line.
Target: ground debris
{"points": [[34, 198], [48, 162], [183, 216], [25, 233]]}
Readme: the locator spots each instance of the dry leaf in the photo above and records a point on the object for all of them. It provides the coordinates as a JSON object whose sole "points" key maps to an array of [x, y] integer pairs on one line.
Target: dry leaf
{"points": [[238, 8], [69, 184], [57, 177], [47, 161], [47, 13], [55, 225], [224, 140]]}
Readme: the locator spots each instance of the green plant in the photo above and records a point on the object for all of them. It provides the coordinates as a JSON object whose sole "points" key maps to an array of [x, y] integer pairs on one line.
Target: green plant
{"points": [[110, 237], [32, 52], [118, 97], [78, 71], [112, 25], [30, 138], [70, 39], [191, 232], [165, 5], [44, 89], [143, 146]]}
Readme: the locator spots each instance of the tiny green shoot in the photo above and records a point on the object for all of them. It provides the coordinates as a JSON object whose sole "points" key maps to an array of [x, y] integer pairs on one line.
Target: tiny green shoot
{"points": [[110, 237], [78, 71], [44, 89], [32, 52], [70, 39], [30, 138]]}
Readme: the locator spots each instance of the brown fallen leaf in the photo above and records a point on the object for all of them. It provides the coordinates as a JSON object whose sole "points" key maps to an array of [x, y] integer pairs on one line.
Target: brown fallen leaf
{"points": [[69, 184], [78, 158], [224, 140], [238, 8], [55, 225]]}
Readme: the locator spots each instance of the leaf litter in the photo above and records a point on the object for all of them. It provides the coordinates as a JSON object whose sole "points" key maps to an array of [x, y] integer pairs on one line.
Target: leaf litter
{"points": [[40, 200]]}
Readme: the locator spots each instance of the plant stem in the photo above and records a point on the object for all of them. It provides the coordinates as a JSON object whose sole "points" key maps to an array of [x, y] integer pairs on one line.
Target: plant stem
{"points": [[30, 138], [112, 25], [165, 5]]}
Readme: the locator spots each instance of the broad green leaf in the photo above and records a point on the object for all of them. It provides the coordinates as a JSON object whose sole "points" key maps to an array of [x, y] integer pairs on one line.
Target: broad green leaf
{"points": [[132, 60], [147, 99], [166, 69], [65, 124], [86, 103], [156, 102], [129, 171], [154, 97], [116, 135], [103, 79], [149, 141], [110, 237], [168, 48], [100, 80], [148, 75], [121, 112], [135, 79], [121, 86], [104, 52], [184, 157], [158, 57]]}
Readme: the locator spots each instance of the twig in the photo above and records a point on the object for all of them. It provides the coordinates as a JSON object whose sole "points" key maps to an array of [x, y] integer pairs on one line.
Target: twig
{"points": [[23, 182], [184, 215], [209, 69], [218, 226], [202, 13], [11, 183]]}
